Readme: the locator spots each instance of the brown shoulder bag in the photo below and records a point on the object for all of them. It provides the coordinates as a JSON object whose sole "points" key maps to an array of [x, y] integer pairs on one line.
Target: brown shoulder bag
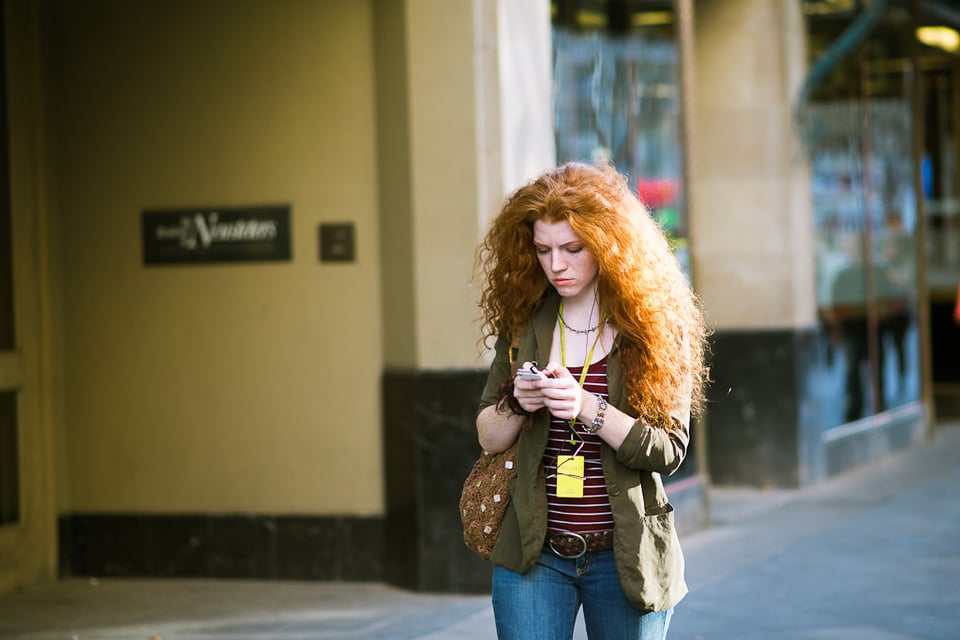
{"points": [[486, 492]]}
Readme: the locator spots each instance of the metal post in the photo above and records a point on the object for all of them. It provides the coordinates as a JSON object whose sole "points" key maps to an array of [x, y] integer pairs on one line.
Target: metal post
{"points": [[923, 288]]}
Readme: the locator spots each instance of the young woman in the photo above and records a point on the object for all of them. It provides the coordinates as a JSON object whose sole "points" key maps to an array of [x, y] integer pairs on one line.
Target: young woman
{"points": [[579, 283]]}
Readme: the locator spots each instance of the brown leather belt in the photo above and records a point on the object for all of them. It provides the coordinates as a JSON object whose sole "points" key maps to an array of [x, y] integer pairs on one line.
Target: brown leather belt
{"points": [[570, 545]]}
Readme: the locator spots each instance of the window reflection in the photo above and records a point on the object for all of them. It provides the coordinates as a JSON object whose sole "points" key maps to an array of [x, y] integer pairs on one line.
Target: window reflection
{"points": [[617, 98], [858, 131]]}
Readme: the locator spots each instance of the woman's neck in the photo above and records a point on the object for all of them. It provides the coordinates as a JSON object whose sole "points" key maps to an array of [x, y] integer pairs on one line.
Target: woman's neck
{"points": [[581, 312], [579, 335], [582, 305]]}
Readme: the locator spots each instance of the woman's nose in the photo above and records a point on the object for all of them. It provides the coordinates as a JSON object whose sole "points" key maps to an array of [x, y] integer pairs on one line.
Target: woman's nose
{"points": [[557, 263]]}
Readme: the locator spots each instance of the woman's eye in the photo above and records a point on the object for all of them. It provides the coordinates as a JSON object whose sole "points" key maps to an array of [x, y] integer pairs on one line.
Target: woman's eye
{"points": [[575, 249], [543, 250]]}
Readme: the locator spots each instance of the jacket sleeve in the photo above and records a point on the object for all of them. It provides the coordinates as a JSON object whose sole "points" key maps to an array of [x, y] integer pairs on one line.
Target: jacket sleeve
{"points": [[499, 373], [657, 449]]}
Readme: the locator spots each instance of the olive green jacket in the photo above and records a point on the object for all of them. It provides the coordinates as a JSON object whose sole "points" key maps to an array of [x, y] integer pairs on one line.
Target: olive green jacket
{"points": [[646, 548]]}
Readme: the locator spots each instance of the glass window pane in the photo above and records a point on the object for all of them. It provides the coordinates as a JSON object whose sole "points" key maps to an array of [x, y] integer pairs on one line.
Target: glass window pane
{"points": [[858, 131], [617, 98]]}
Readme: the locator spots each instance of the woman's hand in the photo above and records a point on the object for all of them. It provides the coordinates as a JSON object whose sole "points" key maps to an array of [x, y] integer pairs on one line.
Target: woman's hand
{"points": [[527, 392], [559, 392]]}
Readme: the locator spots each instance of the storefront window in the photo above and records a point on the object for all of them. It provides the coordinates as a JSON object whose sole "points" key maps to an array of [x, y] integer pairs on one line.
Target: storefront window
{"points": [[857, 126], [617, 98]]}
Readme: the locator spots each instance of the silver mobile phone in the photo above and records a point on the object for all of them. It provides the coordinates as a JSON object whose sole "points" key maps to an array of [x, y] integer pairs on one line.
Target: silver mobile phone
{"points": [[531, 374]]}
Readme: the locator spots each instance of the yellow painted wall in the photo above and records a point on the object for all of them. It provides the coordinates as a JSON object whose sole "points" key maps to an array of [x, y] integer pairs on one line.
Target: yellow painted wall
{"points": [[217, 388], [444, 181]]}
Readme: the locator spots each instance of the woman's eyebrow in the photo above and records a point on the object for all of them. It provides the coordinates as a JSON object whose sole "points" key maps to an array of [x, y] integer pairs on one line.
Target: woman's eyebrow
{"points": [[562, 244]]}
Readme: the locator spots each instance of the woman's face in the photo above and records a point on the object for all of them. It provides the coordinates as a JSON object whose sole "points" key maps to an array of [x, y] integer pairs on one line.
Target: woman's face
{"points": [[567, 263]]}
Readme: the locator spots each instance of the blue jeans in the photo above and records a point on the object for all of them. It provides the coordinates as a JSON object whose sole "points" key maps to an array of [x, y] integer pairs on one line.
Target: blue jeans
{"points": [[542, 604]]}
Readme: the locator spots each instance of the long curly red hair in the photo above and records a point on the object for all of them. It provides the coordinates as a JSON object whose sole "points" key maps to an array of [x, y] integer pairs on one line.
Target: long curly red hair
{"points": [[642, 288]]}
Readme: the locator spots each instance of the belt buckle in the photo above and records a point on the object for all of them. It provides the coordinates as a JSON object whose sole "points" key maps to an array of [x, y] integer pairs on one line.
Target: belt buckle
{"points": [[570, 534]]}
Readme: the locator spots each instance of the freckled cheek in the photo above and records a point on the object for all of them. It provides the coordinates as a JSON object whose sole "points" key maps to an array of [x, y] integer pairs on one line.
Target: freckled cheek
{"points": [[589, 267]]}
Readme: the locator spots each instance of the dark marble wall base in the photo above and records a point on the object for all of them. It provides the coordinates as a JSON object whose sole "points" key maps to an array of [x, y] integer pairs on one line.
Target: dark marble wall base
{"points": [[765, 425], [759, 433], [430, 441], [222, 546]]}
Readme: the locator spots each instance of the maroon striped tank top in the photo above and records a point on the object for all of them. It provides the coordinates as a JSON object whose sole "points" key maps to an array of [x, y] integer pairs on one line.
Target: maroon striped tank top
{"points": [[591, 512]]}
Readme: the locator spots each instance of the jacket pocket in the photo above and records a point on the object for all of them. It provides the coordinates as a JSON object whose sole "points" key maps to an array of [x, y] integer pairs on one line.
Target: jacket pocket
{"points": [[650, 561]]}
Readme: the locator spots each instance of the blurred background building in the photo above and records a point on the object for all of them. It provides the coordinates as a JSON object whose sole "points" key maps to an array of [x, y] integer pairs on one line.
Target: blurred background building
{"points": [[238, 337]]}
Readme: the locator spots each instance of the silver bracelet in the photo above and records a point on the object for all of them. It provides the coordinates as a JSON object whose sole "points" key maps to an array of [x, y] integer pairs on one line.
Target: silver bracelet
{"points": [[597, 422]]}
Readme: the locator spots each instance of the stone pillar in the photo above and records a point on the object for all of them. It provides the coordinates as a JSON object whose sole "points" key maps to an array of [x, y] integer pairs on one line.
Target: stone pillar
{"points": [[445, 108], [751, 220]]}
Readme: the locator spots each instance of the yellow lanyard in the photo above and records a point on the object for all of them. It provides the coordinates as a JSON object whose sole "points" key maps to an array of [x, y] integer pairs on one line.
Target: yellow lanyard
{"points": [[586, 365]]}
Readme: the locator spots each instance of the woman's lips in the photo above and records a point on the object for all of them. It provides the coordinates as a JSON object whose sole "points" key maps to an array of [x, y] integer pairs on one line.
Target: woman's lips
{"points": [[562, 282]]}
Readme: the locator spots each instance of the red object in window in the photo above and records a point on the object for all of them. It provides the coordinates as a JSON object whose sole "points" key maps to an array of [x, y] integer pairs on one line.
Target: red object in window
{"points": [[657, 192], [956, 308]]}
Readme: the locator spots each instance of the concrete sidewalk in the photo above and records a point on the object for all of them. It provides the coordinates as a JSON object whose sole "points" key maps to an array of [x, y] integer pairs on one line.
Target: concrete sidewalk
{"points": [[871, 555]]}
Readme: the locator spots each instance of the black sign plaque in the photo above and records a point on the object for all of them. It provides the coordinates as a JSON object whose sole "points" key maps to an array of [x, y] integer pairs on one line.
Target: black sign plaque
{"points": [[210, 234]]}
